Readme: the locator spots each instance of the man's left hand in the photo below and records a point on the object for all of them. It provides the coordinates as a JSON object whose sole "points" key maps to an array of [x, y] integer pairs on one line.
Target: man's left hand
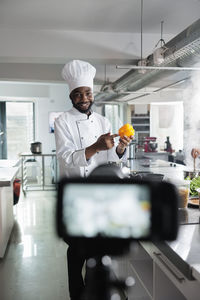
{"points": [[123, 143]]}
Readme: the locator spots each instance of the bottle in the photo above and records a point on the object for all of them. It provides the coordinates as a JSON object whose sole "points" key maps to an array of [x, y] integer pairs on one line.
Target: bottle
{"points": [[168, 145]]}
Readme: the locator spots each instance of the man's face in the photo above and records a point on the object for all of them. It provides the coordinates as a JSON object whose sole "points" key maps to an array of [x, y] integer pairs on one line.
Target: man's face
{"points": [[82, 99]]}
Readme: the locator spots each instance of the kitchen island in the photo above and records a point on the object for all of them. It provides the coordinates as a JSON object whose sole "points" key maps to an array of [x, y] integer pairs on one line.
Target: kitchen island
{"points": [[166, 270], [8, 172]]}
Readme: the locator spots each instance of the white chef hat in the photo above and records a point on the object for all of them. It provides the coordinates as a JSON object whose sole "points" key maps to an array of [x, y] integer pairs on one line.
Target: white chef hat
{"points": [[78, 73]]}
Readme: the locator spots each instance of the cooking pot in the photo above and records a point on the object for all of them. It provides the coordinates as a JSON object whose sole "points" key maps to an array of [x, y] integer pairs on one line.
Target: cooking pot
{"points": [[191, 174], [147, 176], [36, 148]]}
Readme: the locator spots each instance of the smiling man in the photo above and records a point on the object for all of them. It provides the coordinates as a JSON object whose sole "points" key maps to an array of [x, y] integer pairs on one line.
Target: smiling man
{"points": [[83, 137], [83, 141]]}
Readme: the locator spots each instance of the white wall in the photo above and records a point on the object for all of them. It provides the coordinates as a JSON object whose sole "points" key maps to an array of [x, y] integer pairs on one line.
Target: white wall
{"points": [[166, 119], [47, 98], [58, 101]]}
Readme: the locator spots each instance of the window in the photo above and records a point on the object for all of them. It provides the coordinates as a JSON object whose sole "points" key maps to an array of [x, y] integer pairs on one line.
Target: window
{"points": [[20, 127], [112, 114]]}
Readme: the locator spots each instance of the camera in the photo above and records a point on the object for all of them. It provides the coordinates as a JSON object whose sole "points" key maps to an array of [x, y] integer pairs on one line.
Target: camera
{"points": [[103, 215]]}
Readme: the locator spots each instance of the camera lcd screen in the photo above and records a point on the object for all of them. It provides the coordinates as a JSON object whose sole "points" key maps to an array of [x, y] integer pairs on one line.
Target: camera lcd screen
{"points": [[107, 210]]}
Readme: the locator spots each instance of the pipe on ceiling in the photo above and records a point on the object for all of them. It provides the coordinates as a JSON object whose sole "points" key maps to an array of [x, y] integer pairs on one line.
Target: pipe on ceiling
{"points": [[181, 51]]}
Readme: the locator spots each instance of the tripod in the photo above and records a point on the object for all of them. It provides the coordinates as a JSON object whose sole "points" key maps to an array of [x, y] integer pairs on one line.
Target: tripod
{"points": [[100, 281]]}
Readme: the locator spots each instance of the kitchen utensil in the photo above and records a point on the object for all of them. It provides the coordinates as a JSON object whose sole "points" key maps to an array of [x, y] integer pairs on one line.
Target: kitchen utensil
{"points": [[154, 177], [147, 176], [36, 148], [191, 174], [153, 146], [150, 140], [194, 164], [194, 201]]}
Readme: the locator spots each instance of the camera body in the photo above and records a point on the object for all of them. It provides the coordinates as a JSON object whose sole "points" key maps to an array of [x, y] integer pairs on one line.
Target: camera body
{"points": [[103, 215]]}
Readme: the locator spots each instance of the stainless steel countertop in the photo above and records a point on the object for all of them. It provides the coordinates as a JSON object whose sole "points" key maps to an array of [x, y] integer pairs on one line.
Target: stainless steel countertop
{"points": [[184, 252], [23, 154], [168, 169]]}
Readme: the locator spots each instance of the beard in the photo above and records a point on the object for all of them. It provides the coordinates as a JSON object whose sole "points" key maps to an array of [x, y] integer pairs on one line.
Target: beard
{"points": [[82, 110]]}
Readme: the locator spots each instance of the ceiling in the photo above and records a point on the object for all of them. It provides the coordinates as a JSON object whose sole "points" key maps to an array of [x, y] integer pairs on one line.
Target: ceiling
{"points": [[38, 37], [99, 16]]}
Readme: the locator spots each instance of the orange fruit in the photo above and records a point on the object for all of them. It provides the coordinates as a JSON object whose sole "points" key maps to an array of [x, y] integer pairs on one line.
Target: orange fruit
{"points": [[126, 130]]}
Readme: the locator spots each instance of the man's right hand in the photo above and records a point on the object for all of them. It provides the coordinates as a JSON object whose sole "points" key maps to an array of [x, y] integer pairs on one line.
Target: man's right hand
{"points": [[105, 141]]}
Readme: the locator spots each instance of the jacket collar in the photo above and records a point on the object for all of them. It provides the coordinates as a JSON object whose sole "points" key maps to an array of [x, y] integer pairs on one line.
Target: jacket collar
{"points": [[81, 116]]}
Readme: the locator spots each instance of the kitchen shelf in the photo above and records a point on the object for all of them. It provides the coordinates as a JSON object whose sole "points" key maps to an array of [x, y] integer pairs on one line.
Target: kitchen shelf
{"points": [[147, 117], [141, 124], [37, 164]]}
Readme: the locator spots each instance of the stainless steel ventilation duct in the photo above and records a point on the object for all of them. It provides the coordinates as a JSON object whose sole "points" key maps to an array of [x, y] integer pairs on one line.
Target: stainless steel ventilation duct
{"points": [[182, 51]]}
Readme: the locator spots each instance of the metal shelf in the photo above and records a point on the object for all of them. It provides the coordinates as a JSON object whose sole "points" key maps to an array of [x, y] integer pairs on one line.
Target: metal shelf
{"points": [[147, 117], [27, 185], [142, 124]]}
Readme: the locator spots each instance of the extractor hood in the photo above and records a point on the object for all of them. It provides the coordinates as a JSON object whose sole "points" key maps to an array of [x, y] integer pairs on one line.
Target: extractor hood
{"points": [[182, 51]]}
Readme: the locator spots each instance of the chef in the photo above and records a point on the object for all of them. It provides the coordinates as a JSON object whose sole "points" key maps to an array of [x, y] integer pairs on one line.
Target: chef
{"points": [[83, 141], [83, 137]]}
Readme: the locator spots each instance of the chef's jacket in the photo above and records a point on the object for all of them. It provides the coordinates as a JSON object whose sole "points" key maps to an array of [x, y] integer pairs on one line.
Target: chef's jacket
{"points": [[75, 131]]}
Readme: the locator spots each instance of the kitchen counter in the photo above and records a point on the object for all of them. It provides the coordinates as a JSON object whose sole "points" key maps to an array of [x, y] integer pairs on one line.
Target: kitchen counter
{"points": [[168, 169], [184, 253], [152, 155], [166, 270], [7, 175], [8, 170]]}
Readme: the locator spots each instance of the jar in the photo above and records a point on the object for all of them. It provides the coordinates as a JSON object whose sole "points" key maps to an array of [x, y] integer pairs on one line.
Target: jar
{"points": [[184, 191]]}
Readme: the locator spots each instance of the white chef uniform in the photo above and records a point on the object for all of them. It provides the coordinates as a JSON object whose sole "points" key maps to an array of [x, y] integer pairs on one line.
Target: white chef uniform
{"points": [[75, 131]]}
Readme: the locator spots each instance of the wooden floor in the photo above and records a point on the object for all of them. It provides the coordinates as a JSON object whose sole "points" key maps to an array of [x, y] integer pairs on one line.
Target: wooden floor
{"points": [[35, 265]]}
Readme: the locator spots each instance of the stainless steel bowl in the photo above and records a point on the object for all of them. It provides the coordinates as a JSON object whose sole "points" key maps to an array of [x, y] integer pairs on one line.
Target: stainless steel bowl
{"points": [[153, 146], [191, 174]]}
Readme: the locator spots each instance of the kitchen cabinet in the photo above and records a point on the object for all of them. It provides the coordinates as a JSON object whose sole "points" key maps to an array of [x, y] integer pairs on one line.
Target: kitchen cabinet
{"points": [[156, 277], [139, 266], [6, 216]]}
